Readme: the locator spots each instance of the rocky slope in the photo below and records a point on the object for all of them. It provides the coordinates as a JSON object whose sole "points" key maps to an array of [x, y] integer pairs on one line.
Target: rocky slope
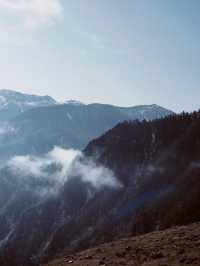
{"points": [[175, 246]]}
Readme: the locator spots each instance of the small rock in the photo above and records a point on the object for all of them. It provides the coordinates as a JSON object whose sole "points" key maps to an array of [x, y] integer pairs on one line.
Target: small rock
{"points": [[120, 254], [157, 255], [102, 263], [182, 260], [128, 248]]}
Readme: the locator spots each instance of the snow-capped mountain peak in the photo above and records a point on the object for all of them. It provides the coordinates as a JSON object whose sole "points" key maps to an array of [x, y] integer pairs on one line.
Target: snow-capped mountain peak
{"points": [[73, 102], [13, 103]]}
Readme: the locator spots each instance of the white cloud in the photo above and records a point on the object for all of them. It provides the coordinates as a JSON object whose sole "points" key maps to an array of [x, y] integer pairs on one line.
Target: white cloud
{"points": [[31, 14], [57, 167]]}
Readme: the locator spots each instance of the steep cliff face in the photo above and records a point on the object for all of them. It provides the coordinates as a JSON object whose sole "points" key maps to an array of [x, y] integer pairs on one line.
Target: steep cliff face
{"points": [[156, 166]]}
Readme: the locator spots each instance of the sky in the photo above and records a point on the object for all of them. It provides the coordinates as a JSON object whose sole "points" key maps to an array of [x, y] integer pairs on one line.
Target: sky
{"points": [[126, 53]]}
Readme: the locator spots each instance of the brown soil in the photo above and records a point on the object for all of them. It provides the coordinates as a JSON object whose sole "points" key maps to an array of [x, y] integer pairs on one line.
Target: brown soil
{"points": [[172, 247]]}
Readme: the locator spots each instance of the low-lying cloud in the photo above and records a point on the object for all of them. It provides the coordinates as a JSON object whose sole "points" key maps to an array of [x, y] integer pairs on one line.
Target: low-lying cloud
{"points": [[50, 172]]}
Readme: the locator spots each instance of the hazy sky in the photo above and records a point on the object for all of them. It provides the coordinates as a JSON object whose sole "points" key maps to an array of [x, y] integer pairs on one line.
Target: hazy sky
{"points": [[121, 52]]}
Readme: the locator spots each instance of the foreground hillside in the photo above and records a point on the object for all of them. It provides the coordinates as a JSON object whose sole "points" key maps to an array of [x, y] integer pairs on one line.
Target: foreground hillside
{"points": [[176, 246]]}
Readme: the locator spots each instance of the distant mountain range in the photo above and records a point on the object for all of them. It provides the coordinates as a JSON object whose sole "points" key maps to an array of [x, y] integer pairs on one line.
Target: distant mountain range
{"points": [[35, 124], [13, 103]]}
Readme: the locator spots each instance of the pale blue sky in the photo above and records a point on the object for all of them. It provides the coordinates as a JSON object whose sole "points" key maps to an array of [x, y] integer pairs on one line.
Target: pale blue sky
{"points": [[126, 52]]}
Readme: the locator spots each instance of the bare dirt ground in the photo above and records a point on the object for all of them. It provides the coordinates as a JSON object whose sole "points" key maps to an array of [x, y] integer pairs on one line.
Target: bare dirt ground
{"points": [[172, 247]]}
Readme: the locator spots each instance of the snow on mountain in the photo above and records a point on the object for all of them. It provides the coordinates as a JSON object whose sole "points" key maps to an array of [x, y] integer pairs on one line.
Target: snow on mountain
{"points": [[13, 103], [73, 102], [9, 96]]}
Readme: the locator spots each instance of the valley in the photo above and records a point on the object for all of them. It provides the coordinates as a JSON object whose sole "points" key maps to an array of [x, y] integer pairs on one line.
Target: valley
{"points": [[119, 186]]}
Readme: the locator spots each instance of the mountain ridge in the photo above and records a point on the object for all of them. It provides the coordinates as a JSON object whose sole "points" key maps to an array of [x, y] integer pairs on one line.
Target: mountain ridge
{"points": [[37, 130], [13, 103]]}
